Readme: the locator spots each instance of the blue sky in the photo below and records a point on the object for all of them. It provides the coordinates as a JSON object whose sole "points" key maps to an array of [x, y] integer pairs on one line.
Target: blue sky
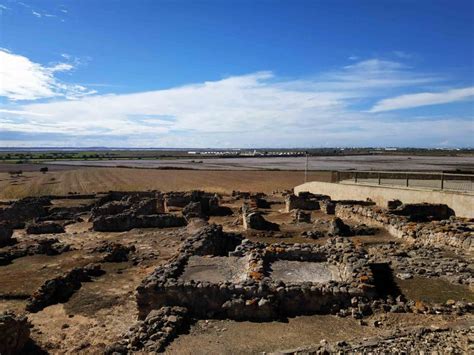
{"points": [[236, 73]]}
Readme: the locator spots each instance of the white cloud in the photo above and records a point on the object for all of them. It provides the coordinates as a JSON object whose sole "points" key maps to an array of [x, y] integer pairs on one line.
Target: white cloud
{"points": [[22, 79], [258, 109], [423, 99], [37, 14], [22, 113]]}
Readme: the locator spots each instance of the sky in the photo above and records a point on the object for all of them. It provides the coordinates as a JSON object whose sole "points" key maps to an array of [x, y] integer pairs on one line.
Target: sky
{"points": [[228, 73]]}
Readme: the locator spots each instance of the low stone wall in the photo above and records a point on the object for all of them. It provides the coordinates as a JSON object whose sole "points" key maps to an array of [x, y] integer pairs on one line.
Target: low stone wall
{"points": [[454, 233], [127, 221], [26, 209], [258, 297]]}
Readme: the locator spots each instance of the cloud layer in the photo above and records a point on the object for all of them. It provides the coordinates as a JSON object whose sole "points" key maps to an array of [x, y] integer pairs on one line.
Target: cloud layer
{"points": [[423, 99], [260, 109]]}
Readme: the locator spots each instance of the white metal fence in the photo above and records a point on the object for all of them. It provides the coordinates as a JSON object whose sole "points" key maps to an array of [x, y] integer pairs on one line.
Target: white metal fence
{"points": [[441, 181]]}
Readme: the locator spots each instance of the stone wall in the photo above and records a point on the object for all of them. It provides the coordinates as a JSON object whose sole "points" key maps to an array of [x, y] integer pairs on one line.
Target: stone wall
{"points": [[127, 221], [454, 232], [258, 297], [304, 201]]}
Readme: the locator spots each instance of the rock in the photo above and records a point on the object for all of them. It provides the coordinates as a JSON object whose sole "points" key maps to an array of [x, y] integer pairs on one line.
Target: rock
{"points": [[25, 210], [154, 333], [193, 210], [255, 220], [6, 233], [49, 246], [110, 208], [115, 252], [420, 212], [304, 201], [302, 217], [393, 204], [47, 227], [14, 333], [404, 275], [338, 227]]}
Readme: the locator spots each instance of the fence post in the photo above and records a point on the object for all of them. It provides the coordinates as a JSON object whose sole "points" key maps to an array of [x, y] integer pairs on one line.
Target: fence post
{"points": [[355, 177], [379, 178], [337, 177], [442, 181], [407, 180]]}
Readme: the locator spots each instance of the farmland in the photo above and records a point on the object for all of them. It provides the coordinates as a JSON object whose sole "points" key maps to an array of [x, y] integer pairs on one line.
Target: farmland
{"points": [[90, 180]]}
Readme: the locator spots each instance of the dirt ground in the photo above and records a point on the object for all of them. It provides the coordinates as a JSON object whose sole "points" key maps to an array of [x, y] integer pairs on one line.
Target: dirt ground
{"points": [[230, 337], [90, 180]]}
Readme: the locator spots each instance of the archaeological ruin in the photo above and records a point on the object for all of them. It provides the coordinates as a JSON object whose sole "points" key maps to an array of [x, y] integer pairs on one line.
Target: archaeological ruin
{"points": [[240, 257]]}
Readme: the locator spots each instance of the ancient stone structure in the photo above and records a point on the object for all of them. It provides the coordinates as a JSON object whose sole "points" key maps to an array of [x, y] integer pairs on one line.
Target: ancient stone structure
{"points": [[126, 221], [328, 206], [46, 227], [115, 252], [338, 228], [253, 219], [437, 340], [48, 246], [60, 288], [304, 201], [453, 232], [153, 333], [193, 210], [21, 211], [422, 212], [255, 286], [301, 216], [14, 333], [393, 204]]}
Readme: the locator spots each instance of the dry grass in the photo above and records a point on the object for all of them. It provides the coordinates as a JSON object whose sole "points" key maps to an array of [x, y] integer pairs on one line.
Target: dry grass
{"points": [[90, 180]]}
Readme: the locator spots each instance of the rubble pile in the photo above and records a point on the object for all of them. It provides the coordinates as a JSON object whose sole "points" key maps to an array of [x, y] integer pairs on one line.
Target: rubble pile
{"points": [[418, 340], [115, 252], [152, 334]]}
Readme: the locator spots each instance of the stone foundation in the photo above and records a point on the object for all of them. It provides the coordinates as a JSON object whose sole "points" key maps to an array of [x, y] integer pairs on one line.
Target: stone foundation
{"points": [[247, 281], [453, 233], [304, 201]]}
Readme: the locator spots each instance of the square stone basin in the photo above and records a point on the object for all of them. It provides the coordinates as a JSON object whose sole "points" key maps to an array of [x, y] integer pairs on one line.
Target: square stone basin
{"points": [[304, 271], [215, 269]]}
